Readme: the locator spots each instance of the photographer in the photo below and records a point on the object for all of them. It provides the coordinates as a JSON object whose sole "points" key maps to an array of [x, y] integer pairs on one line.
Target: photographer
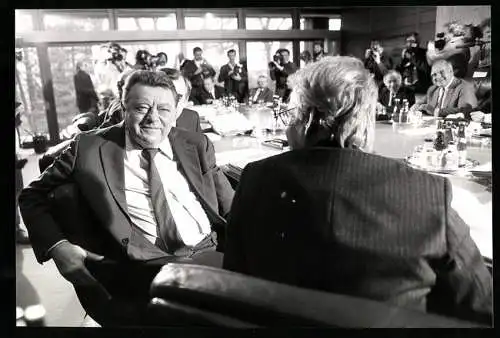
{"points": [[414, 67], [318, 51], [143, 60], [232, 74], [109, 71], [197, 69], [280, 68], [377, 62], [450, 46]]}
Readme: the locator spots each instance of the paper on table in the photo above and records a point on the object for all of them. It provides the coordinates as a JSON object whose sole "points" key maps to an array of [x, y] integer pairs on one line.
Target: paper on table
{"points": [[418, 131], [483, 167], [232, 123]]}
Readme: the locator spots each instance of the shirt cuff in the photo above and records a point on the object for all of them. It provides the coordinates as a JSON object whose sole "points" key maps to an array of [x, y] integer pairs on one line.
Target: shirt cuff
{"points": [[53, 246]]}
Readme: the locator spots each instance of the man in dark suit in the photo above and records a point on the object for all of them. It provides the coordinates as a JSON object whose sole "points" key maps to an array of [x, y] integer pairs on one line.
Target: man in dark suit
{"points": [[86, 96], [208, 93], [393, 89], [262, 92], [414, 68], [155, 196], [448, 95], [197, 69], [280, 69], [232, 74], [318, 226], [377, 62]]}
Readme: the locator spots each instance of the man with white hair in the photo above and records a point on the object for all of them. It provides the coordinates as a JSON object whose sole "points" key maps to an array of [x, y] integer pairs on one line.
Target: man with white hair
{"points": [[329, 215], [262, 92], [448, 95]]}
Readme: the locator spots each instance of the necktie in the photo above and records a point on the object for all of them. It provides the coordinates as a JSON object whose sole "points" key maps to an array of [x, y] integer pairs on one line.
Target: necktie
{"points": [[256, 97], [391, 98], [439, 101], [168, 238]]}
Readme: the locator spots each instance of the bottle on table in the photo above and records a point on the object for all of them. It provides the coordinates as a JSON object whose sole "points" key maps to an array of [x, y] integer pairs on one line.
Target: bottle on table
{"points": [[448, 131], [461, 145], [396, 111], [440, 143], [404, 114]]}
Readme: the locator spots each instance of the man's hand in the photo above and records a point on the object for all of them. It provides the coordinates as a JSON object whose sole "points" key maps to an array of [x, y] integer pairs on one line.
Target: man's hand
{"points": [[198, 71], [377, 57], [367, 53], [70, 261], [237, 77], [477, 116]]}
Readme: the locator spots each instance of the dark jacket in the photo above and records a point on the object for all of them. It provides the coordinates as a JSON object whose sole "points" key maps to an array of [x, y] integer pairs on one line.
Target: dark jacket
{"points": [[266, 95], [418, 59], [460, 98], [281, 76], [231, 85], [353, 223], [86, 96], [403, 93], [201, 96], [94, 162], [379, 70], [188, 69]]}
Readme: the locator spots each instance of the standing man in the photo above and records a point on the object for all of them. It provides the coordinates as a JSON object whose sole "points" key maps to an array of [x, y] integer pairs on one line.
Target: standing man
{"points": [[197, 69], [149, 193], [280, 68], [232, 74], [318, 51], [86, 96], [414, 67], [377, 62]]}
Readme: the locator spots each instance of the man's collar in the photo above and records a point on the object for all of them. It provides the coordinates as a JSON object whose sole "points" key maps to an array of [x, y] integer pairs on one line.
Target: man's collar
{"points": [[165, 146]]}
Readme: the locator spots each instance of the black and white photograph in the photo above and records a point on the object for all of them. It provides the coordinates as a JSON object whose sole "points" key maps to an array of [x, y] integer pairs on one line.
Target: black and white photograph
{"points": [[254, 167]]}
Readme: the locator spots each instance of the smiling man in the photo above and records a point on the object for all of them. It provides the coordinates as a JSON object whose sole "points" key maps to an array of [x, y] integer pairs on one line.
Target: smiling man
{"points": [[156, 196]]}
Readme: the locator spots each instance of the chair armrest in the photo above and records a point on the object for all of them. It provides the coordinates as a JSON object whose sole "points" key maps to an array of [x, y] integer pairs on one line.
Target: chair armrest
{"points": [[267, 303]]}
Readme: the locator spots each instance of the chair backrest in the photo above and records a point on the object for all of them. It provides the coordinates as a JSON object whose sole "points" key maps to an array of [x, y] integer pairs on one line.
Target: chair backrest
{"points": [[203, 295]]}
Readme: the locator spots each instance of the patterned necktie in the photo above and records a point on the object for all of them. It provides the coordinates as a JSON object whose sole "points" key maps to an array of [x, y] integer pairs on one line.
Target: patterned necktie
{"points": [[169, 239], [440, 100], [256, 97]]}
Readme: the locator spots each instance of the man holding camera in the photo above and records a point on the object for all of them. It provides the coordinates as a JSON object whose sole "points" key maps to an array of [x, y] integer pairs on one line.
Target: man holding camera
{"points": [[377, 62], [197, 69], [232, 74], [450, 46], [414, 67], [280, 68]]}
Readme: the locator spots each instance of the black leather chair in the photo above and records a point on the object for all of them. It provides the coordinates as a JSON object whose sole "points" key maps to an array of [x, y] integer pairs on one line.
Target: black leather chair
{"points": [[206, 296]]}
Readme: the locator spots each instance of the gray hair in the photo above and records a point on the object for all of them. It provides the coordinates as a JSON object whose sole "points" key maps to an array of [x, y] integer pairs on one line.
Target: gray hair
{"points": [[443, 63], [392, 74], [148, 78], [338, 93]]}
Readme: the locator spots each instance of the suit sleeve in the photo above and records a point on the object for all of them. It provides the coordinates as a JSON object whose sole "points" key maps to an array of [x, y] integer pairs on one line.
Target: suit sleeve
{"points": [[269, 96], [223, 75], [225, 192], [234, 253], [466, 101], [467, 278], [34, 202]]}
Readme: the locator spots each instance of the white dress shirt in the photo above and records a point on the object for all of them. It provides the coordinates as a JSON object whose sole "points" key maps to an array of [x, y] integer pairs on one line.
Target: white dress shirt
{"points": [[190, 218], [443, 91], [257, 93]]}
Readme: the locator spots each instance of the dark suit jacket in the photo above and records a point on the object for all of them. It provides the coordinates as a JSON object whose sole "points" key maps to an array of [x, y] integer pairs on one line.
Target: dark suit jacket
{"points": [[379, 70], [188, 69], [86, 97], [460, 98], [266, 95], [94, 163], [403, 93], [189, 120], [231, 85], [201, 96], [359, 224]]}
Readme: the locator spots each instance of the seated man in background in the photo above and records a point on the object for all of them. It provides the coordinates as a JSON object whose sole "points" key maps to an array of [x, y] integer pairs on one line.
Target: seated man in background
{"points": [[208, 93], [393, 89], [156, 195], [262, 92], [306, 217], [448, 95]]}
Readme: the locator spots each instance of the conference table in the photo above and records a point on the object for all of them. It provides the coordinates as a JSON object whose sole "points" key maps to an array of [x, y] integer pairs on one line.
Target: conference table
{"points": [[472, 195]]}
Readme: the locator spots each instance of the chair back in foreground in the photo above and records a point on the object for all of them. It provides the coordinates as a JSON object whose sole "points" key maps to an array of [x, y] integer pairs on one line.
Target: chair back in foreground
{"points": [[207, 296]]}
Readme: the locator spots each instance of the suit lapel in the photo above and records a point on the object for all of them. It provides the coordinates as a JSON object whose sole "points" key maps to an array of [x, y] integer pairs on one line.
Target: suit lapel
{"points": [[112, 153], [448, 93]]}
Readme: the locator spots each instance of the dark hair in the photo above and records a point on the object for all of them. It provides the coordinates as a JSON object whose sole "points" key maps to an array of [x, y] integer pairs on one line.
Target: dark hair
{"points": [[141, 56], [231, 51], [148, 78], [318, 43], [162, 54], [281, 50], [197, 49]]}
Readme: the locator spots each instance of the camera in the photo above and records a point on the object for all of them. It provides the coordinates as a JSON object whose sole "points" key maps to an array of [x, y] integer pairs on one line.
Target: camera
{"points": [[115, 52], [440, 41], [278, 58], [237, 70]]}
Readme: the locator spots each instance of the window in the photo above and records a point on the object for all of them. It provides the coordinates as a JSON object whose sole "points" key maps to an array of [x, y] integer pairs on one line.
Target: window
{"points": [[210, 21], [271, 23], [164, 23], [302, 23], [63, 62], [24, 21], [260, 54], [334, 24], [30, 89], [172, 49], [215, 52], [72, 23]]}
